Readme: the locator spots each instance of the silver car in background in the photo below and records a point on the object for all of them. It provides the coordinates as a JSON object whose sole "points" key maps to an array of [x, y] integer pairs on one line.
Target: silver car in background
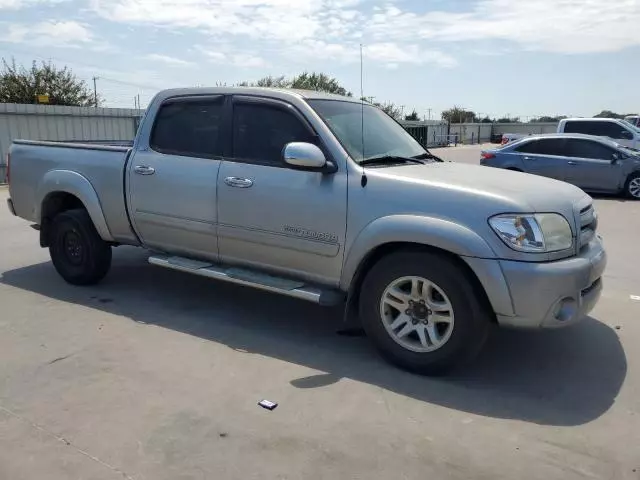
{"points": [[595, 164]]}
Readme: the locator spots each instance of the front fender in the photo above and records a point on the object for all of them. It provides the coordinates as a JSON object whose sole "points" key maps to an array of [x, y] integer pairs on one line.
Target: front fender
{"points": [[79, 186], [435, 232]]}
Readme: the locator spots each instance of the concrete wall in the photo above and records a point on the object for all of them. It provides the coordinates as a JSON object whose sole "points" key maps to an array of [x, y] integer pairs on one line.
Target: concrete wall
{"points": [[52, 122], [526, 128]]}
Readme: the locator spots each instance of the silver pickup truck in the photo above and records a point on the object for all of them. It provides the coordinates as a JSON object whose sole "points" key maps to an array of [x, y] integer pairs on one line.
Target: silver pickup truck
{"points": [[321, 198]]}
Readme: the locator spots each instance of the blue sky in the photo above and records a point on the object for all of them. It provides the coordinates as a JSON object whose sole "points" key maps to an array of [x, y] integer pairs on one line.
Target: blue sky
{"points": [[497, 57]]}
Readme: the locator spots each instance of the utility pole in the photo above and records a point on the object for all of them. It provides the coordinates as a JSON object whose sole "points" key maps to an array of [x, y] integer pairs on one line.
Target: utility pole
{"points": [[95, 91], [429, 110]]}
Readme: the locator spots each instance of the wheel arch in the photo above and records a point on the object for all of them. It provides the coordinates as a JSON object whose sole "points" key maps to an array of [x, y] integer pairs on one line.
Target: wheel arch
{"points": [[62, 190], [627, 180], [443, 237]]}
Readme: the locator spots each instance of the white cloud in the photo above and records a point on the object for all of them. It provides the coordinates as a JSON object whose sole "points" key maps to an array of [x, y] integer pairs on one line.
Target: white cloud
{"points": [[393, 53], [230, 57], [388, 53], [18, 4], [278, 19], [173, 61], [48, 33], [560, 26], [248, 31]]}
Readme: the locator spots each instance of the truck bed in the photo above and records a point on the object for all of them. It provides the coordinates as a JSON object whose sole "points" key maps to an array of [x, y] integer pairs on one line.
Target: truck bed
{"points": [[103, 165]]}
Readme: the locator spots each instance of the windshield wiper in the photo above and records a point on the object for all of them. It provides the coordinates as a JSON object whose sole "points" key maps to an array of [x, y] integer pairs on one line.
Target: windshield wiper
{"points": [[427, 156], [390, 160]]}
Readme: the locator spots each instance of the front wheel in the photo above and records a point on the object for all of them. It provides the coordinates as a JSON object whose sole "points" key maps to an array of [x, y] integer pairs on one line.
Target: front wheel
{"points": [[78, 253], [632, 187], [422, 312]]}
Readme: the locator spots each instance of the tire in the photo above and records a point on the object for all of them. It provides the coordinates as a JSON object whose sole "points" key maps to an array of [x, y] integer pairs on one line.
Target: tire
{"points": [[469, 316], [632, 187], [78, 253]]}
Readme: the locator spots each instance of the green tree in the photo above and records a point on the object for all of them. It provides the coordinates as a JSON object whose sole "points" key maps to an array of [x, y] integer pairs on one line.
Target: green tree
{"points": [[269, 81], [547, 119], [320, 82], [508, 120], [459, 115], [21, 85], [391, 109], [608, 114], [412, 117]]}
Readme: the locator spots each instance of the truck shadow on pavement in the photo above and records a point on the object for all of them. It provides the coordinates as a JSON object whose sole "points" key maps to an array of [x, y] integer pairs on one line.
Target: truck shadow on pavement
{"points": [[566, 377]]}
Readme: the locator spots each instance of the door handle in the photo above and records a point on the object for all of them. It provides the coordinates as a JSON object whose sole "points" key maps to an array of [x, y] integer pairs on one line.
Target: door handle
{"points": [[572, 163], [144, 170], [238, 182], [529, 158]]}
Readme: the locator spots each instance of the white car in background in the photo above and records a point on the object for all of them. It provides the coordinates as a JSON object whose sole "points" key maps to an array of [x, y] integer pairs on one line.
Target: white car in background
{"points": [[620, 131], [512, 137]]}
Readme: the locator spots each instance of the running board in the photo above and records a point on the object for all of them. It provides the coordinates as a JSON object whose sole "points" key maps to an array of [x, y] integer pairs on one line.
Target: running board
{"points": [[251, 278]]}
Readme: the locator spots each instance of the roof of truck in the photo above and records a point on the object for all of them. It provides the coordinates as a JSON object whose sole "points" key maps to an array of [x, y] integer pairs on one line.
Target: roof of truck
{"points": [[270, 92], [590, 119]]}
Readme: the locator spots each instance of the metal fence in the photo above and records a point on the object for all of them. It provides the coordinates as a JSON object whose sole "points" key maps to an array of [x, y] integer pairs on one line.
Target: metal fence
{"points": [[429, 134], [60, 123], [435, 134]]}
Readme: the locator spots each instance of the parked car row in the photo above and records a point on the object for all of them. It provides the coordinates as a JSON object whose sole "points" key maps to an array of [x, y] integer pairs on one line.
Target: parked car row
{"points": [[624, 132], [595, 164]]}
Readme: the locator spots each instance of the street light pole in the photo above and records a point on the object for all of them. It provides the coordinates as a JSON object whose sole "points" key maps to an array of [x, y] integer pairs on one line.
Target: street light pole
{"points": [[95, 92]]}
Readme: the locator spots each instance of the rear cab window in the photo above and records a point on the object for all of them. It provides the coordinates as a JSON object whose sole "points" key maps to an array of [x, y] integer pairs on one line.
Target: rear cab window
{"points": [[190, 127]]}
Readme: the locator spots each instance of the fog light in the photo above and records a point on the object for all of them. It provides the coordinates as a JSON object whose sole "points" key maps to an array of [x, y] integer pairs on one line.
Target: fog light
{"points": [[565, 309]]}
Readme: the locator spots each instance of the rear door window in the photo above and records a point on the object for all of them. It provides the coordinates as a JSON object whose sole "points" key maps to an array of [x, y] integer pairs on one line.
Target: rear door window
{"points": [[190, 127], [544, 146]]}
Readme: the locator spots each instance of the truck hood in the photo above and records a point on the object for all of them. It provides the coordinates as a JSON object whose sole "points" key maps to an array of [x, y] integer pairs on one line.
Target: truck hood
{"points": [[505, 190]]}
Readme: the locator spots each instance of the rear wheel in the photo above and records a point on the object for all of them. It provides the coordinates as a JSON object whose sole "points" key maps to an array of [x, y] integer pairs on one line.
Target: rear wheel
{"points": [[78, 253], [632, 187], [422, 312]]}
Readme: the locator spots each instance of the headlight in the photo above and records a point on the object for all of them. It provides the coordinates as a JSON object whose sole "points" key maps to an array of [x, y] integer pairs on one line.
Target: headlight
{"points": [[543, 232]]}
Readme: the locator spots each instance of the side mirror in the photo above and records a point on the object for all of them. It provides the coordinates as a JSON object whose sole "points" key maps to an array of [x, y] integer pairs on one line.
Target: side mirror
{"points": [[615, 157], [307, 156]]}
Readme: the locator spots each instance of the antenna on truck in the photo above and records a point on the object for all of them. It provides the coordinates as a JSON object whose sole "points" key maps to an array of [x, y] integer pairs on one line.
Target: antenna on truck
{"points": [[363, 180]]}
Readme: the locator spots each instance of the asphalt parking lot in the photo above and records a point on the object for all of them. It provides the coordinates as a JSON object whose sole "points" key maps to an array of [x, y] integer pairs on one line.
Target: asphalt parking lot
{"points": [[156, 374]]}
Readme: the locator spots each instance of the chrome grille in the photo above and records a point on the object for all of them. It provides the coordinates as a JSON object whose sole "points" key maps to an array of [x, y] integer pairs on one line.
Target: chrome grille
{"points": [[588, 226]]}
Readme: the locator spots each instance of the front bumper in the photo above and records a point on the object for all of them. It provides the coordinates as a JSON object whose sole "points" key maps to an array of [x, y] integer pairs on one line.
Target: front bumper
{"points": [[11, 207], [554, 294]]}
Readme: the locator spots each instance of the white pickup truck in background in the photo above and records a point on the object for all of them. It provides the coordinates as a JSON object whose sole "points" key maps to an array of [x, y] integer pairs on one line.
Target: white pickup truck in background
{"points": [[633, 120], [620, 131]]}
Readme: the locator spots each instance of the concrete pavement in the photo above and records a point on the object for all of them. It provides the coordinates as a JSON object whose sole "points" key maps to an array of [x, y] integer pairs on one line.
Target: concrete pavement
{"points": [[156, 374]]}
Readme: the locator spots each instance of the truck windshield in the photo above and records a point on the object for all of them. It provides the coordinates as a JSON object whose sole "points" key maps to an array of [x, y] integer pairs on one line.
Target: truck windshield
{"points": [[382, 135]]}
